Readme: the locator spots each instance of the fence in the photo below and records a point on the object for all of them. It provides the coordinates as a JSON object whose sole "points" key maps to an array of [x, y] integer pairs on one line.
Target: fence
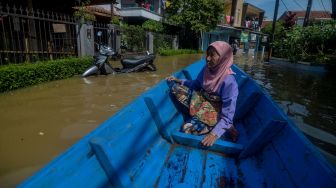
{"points": [[30, 35], [109, 36]]}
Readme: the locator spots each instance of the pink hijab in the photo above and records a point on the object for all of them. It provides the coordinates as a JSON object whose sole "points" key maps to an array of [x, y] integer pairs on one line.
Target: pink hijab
{"points": [[212, 79]]}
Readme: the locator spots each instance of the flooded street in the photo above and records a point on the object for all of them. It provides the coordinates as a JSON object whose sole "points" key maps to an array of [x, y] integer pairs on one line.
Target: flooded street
{"points": [[40, 122]]}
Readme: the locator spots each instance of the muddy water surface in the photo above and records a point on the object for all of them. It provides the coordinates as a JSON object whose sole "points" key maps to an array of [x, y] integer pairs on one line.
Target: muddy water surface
{"points": [[40, 122]]}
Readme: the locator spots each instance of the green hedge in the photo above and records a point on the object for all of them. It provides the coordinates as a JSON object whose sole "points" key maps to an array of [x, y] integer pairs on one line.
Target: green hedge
{"points": [[27, 74], [170, 52]]}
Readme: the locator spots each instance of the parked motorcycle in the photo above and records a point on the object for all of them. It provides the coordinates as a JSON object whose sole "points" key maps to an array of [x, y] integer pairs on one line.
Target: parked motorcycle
{"points": [[100, 61], [138, 63], [101, 64]]}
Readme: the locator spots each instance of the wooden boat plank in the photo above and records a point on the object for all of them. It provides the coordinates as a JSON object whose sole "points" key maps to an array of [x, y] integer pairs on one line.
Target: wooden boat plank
{"points": [[249, 96], [180, 169], [265, 168], [219, 171], [250, 175], [141, 152], [117, 175], [194, 173], [275, 172], [267, 112], [194, 68], [175, 167], [96, 174], [245, 104], [143, 174], [259, 117], [262, 137], [242, 138], [73, 177], [148, 170], [307, 170], [195, 141], [167, 119]]}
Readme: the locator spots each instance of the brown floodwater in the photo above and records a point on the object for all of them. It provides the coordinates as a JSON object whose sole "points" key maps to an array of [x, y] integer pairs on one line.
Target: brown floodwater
{"points": [[40, 122]]}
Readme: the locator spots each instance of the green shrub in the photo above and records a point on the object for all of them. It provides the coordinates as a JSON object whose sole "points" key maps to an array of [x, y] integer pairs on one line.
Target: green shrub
{"points": [[115, 20], [314, 43], [27, 74], [162, 42], [133, 36], [170, 52], [152, 25]]}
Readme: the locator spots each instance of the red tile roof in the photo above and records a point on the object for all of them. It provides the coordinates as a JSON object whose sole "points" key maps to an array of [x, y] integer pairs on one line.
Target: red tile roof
{"points": [[313, 14], [265, 23]]}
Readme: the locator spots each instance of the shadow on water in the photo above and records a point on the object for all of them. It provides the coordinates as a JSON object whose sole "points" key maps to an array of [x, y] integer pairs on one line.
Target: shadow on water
{"points": [[308, 98]]}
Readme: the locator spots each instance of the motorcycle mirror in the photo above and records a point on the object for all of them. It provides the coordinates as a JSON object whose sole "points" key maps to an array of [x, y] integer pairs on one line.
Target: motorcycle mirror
{"points": [[99, 33]]}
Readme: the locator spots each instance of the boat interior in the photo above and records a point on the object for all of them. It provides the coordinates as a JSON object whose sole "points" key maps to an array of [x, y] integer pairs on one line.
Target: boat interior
{"points": [[142, 146]]}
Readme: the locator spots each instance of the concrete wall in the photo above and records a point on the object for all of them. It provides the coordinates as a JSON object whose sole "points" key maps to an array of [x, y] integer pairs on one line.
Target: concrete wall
{"points": [[85, 40]]}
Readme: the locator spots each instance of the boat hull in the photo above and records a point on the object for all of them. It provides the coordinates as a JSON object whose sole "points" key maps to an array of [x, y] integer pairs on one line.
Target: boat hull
{"points": [[141, 146]]}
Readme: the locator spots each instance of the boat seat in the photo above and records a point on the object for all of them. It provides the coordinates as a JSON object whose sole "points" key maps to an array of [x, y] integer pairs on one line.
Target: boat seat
{"points": [[117, 176], [194, 141]]}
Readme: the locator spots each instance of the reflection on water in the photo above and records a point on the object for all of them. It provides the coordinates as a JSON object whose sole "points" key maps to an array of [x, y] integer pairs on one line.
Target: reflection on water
{"points": [[40, 122], [308, 98]]}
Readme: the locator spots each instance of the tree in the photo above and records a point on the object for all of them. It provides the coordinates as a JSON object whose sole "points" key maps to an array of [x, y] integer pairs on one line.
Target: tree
{"points": [[290, 19], [152, 25], [196, 15]]}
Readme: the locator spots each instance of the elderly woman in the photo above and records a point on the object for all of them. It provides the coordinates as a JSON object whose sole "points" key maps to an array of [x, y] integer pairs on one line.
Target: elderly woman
{"points": [[214, 94]]}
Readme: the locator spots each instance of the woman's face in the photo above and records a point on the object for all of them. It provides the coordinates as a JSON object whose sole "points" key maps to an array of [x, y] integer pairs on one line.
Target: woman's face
{"points": [[212, 57]]}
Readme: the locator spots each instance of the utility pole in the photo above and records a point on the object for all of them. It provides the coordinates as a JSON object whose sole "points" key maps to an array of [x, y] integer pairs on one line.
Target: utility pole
{"points": [[273, 28], [306, 19], [233, 12], [333, 4]]}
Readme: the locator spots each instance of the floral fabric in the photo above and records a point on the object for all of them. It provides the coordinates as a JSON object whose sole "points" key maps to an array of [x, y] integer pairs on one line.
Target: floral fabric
{"points": [[205, 111], [202, 106], [182, 94]]}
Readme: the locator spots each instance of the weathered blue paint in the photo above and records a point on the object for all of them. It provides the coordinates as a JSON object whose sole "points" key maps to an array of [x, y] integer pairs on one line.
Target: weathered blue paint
{"points": [[140, 146], [195, 141]]}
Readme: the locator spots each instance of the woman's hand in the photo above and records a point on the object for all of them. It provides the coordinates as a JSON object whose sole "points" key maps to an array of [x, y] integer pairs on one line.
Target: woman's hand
{"points": [[209, 139], [174, 79]]}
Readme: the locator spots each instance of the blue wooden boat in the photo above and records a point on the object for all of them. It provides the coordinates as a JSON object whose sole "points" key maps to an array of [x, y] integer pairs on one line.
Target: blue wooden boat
{"points": [[141, 146]]}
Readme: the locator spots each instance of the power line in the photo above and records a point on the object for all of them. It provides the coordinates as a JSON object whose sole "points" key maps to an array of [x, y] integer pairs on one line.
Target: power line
{"points": [[299, 5], [323, 6], [284, 5], [325, 11], [329, 4]]}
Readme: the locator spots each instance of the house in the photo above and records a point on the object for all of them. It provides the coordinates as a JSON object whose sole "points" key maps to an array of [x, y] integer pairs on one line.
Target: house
{"points": [[242, 15], [300, 15], [242, 22], [136, 11]]}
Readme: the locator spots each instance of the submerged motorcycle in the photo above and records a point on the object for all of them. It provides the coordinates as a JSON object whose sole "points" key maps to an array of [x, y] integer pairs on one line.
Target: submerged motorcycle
{"points": [[101, 63]]}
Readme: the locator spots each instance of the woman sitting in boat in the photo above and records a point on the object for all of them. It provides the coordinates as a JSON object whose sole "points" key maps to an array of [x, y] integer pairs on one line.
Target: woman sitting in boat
{"points": [[211, 98]]}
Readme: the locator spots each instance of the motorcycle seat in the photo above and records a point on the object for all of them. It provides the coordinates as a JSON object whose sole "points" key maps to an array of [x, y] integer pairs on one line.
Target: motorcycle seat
{"points": [[135, 61]]}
